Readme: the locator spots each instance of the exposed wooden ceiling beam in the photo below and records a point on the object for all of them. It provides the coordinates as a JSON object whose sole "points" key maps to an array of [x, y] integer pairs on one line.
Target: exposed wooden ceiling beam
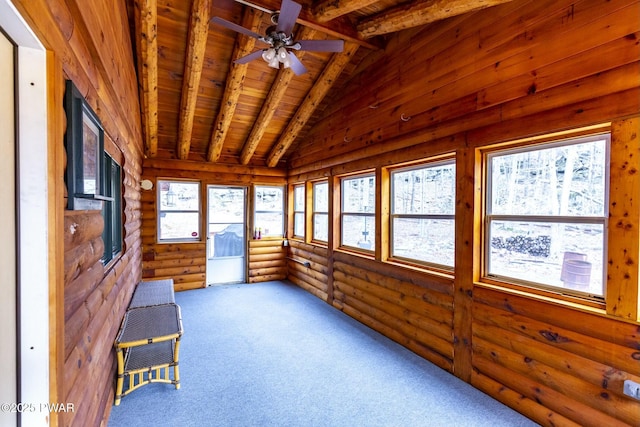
{"points": [[194, 59], [270, 105], [341, 29], [322, 85], [327, 10], [146, 17], [237, 73], [421, 12]]}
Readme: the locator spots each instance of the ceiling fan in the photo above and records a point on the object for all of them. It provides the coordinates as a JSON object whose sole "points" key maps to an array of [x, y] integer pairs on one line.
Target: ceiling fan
{"points": [[280, 39]]}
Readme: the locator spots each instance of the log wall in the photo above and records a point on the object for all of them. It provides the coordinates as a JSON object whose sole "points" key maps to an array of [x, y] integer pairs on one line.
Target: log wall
{"points": [[315, 277], [89, 43], [267, 260], [513, 71], [186, 262]]}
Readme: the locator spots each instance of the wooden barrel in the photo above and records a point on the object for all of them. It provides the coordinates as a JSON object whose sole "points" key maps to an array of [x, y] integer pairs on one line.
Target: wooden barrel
{"points": [[577, 274]]}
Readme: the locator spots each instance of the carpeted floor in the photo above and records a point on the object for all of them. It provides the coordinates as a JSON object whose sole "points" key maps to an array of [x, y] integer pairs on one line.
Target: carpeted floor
{"points": [[274, 355]]}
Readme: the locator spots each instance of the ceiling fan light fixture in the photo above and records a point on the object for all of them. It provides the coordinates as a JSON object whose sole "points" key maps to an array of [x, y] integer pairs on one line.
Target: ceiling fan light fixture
{"points": [[282, 55], [274, 63], [268, 54]]}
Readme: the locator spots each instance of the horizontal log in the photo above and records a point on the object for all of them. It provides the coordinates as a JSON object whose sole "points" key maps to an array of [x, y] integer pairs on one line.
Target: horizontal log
{"points": [[270, 256], [276, 250], [320, 276], [421, 350], [175, 271], [81, 257], [322, 260], [266, 264], [431, 319], [402, 274], [186, 286], [95, 343], [390, 282], [297, 245], [76, 292], [443, 316], [81, 226], [404, 322], [270, 242], [574, 388], [268, 271], [308, 280], [575, 342], [267, 278], [186, 249], [550, 398], [318, 293], [75, 326], [588, 370], [527, 407], [174, 262]]}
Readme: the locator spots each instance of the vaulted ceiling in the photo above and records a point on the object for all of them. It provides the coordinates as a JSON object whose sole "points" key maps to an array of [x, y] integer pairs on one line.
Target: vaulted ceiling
{"points": [[197, 104]]}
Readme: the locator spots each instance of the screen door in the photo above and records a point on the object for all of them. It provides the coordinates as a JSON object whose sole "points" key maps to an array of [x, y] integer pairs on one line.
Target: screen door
{"points": [[226, 235]]}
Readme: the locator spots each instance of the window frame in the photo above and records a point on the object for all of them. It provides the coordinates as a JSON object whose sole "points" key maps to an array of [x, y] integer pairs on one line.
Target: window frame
{"points": [[112, 209], [281, 211], [315, 212], [544, 142], [159, 185], [296, 212], [372, 215], [426, 164], [78, 111]]}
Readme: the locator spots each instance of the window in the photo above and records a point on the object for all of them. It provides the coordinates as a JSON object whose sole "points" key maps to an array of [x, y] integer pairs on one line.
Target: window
{"points": [[546, 215], [84, 142], [422, 213], [357, 217], [298, 210], [321, 211], [178, 211], [112, 209], [269, 210]]}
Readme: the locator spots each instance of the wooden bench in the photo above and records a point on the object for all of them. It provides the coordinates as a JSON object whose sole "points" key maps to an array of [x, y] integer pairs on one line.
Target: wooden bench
{"points": [[148, 343]]}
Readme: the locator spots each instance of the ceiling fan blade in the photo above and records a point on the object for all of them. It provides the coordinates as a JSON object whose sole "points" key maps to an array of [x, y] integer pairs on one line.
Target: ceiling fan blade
{"points": [[247, 58], [296, 65], [321, 45], [235, 27], [289, 11]]}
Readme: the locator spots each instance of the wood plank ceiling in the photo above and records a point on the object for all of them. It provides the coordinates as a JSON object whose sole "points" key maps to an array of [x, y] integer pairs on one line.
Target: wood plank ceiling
{"points": [[197, 104]]}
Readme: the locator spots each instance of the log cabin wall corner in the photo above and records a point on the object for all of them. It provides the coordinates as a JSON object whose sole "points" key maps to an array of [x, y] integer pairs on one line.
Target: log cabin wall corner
{"points": [[514, 71], [89, 43], [186, 262]]}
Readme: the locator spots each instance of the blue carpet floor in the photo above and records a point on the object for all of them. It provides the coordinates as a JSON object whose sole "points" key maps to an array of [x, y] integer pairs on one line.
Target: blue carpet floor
{"points": [[274, 355]]}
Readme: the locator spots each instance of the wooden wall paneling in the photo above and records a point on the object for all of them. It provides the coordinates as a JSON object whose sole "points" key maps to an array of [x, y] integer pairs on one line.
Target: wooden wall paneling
{"points": [[366, 315], [530, 408], [594, 381], [483, 69], [89, 44], [57, 202], [551, 357], [551, 402], [623, 249], [314, 277], [467, 243], [417, 319], [271, 250]]}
